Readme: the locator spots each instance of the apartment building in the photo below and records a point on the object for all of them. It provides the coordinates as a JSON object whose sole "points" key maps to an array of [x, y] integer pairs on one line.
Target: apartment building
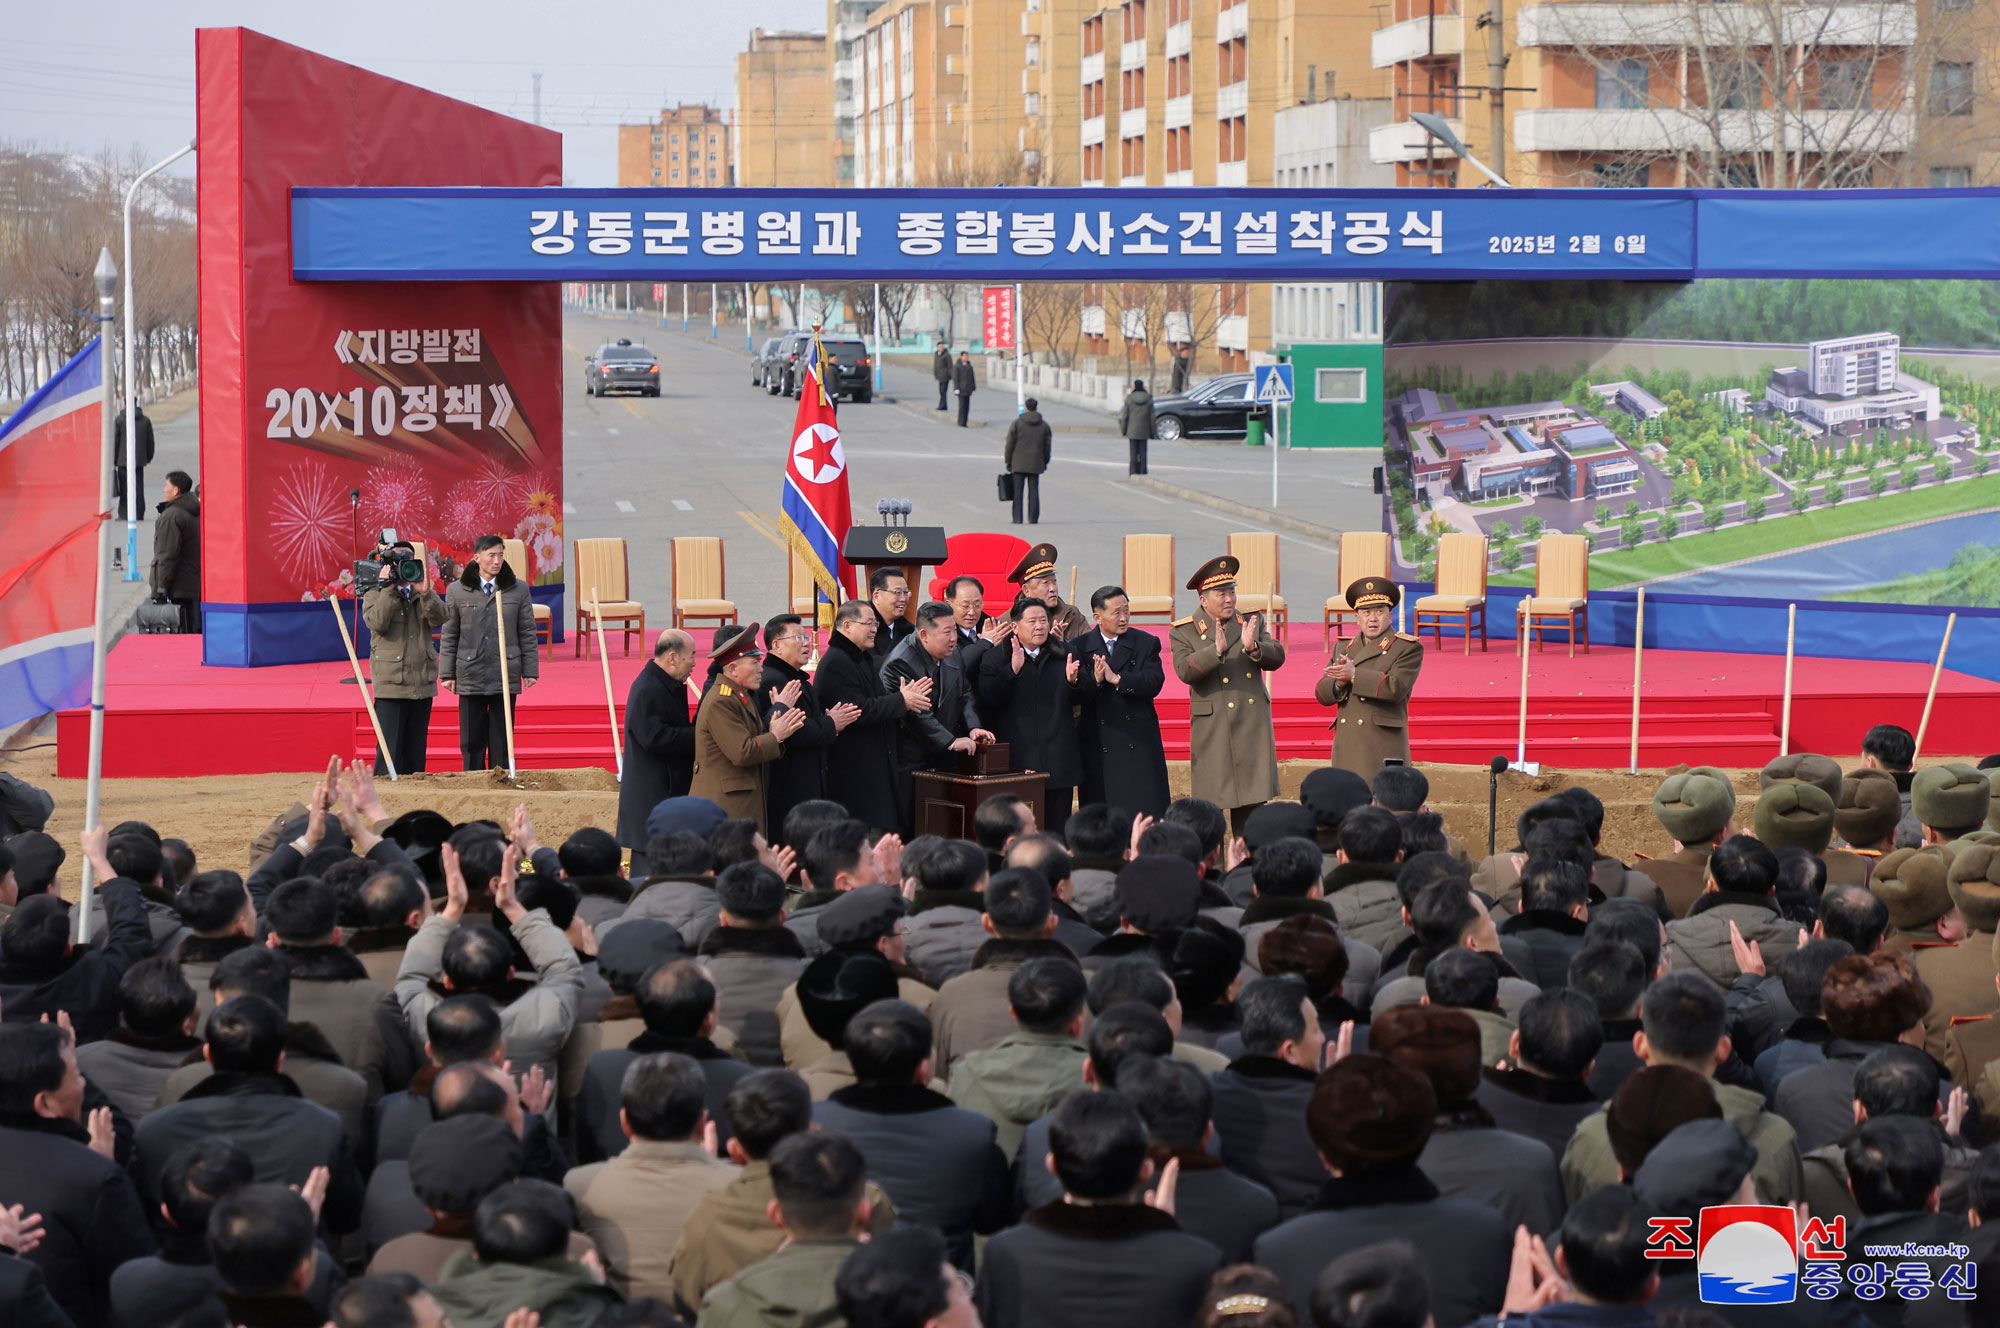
{"points": [[688, 147], [1760, 94], [784, 130], [1325, 145], [959, 93], [1187, 93], [846, 25]]}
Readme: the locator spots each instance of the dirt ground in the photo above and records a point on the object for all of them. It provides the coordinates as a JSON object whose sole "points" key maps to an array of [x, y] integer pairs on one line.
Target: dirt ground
{"points": [[220, 815]]}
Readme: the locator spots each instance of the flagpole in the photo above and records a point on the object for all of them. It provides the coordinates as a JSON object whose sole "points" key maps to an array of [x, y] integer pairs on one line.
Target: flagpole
{"points": [[106, 276]]}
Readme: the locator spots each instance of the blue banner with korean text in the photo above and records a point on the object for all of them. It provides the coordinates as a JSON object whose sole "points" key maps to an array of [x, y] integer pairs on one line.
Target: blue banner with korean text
{"points": [[988, 234]]}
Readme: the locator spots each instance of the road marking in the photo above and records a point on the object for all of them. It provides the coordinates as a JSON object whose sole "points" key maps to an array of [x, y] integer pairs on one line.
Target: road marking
{"points": [[761, 524], [611, 431], [624, 506], [683, 505]]}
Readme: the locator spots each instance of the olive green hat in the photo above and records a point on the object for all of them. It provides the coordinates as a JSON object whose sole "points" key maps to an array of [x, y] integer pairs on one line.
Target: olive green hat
{"points": [[1911, 881], [1869, 808], [1993, 806], [1794, 816], [1803, 768], [1951, 797], [1695, 806], [1974, 880]]}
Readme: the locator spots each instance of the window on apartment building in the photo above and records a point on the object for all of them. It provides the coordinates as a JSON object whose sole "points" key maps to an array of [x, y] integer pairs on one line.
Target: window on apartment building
{"points": [[1179, 11], [1178, 156], [1951, 177], [1132, 156], [1232, 139], [1232, 61], [1133, 83], [1340, 386], [1093, 162], [1093, 36], [1233, 297], [1845, 84], [1621, 85], [1951, 88], [1031, 103], [1033, 54], [1620, 174], [676, 175], [673, 156], [1135, 20], [1733, 85]]}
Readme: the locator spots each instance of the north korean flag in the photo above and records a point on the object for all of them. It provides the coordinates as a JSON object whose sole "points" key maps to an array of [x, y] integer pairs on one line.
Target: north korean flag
{"points": [[815, 508]]}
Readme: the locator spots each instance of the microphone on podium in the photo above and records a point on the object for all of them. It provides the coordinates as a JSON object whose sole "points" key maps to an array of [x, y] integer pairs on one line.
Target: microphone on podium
{"points": [[1494, 767]]}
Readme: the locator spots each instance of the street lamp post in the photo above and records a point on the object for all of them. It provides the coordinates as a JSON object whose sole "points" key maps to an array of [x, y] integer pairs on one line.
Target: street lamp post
{"points": [[106, 276], [132, 382], [1440, 129]]}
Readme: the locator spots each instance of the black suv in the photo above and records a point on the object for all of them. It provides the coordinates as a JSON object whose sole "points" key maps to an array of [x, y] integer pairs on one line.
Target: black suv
{"points": [[848, 370], [773, 363], [620, 366]]}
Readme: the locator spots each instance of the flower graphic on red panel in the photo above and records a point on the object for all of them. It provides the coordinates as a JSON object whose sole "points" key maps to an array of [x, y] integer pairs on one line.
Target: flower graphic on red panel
{"points": [[462, 516], [498, 489], [309, 521]]}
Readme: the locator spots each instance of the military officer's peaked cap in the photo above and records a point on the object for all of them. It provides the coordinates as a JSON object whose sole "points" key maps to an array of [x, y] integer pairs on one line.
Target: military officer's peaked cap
{"points": [[1216, 574], [1373, 592], [740, 642], [1038, 561]]}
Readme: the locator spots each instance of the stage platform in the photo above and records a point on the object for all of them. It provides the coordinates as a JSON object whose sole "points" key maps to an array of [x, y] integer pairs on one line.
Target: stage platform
{"points": [[167, 715]]}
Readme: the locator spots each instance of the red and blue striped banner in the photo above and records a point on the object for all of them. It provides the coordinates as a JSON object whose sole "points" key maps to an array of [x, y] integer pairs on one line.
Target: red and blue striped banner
{"points": [[815, 508]]}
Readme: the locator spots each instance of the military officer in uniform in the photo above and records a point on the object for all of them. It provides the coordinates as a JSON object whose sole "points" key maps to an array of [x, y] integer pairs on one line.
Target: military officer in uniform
{"points": [[1232, 749], [1036, 575], [732, 742], [1698, 808], [1371, 681], [1822, 772]]}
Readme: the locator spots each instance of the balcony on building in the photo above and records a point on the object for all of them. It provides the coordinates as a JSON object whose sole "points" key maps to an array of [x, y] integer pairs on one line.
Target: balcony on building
{"points": [[1441, 34], [1093, 130], [1180, 111], [1132, 55], [1132, 122], [1405, 140], [1232, 23], [1091, 68], [1814, 26], [1180, 39], [1666, 129], [1232, 174], [1233, 100]]}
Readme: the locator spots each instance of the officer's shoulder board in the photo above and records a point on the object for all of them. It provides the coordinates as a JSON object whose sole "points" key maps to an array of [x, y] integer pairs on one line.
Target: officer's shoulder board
{"points": [[1958, 1019], [1182, 622], [724, 688], [1405, 636]]}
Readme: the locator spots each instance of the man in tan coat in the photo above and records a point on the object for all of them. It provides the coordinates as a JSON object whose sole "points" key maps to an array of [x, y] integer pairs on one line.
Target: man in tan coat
{"points": [[1962, 976], [635, 1206], [1371, 681], [732, 742], [1232, 749], [1035, 574]]}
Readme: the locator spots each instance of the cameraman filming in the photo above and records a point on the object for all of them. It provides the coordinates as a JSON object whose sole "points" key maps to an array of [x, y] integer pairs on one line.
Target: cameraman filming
{"points": [[402, 663]]}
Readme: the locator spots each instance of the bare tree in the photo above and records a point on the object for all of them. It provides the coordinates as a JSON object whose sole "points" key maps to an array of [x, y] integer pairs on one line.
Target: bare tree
{"points": [[1770, 94], [897, 297], [1052, 319]]}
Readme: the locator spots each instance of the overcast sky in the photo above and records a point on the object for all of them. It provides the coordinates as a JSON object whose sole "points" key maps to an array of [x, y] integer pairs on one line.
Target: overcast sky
{"points": [[116, 73]]}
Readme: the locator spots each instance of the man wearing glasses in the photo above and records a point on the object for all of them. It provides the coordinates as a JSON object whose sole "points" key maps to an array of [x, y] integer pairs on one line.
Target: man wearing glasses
{"points": [[799, 775]]}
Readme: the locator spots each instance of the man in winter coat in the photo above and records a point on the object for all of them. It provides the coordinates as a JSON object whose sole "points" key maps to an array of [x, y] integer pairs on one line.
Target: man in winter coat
{"points": [[733, 743], [56, 1167], [1234, 755], [520, 1260], [1742, 876], [941, 370], [1028, 445], [862, 772], [799, 773], [966, 380], [177, 548], [1028, 1073], [42, 973], [1135, 421], [820, 1186], [402, 668], [144, 454], [1118, 734], [659, 741], [1027, 691], [470, 663], [952, 723]]}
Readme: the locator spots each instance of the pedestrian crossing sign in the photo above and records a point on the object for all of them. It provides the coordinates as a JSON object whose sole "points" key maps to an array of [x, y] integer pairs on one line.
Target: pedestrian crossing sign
{"points": [[1274, 385]]}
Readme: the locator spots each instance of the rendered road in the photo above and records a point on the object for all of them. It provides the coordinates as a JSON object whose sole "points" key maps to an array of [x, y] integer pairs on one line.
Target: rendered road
{"points": [[707, 458]]}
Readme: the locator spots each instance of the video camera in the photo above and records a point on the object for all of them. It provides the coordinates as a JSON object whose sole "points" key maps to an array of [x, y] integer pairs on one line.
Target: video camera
{"points": [[394, 563]]}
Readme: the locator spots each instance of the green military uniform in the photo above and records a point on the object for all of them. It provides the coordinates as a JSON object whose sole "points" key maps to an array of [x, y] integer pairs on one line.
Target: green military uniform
{"points": [[1961, 976], [1695, 807], [1066, 621], [1865, 818], [1911, 882], [731, 742], [1374, 721], [1232, 750], [1975, 1043]]}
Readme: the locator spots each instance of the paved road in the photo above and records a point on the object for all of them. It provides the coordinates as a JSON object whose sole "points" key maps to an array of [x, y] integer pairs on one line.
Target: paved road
{"points": [[706, 458]]}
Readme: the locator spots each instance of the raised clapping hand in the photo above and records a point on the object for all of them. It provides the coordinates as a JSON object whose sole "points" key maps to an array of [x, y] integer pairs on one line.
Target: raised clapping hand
{"points": [[20, 1231], [843, 715], [1532, 1280], [997, 630], [1070, 667], [889, 857], [1749, 955], [456, 895], [1250, 636], [786, 722], [361, 792], [1020, 654], [1341, 670], [1140, 825], [1101, 666], [504, 900], [916, 694], [788, 695]]}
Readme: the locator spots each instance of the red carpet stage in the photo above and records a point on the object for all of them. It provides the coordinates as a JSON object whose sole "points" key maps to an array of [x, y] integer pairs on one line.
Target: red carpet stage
{"points": [[168, 715]]}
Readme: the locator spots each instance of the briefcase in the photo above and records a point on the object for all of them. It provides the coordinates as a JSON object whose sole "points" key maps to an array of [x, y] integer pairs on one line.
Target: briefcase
{"points": [[158, 618], [1005, 484]]}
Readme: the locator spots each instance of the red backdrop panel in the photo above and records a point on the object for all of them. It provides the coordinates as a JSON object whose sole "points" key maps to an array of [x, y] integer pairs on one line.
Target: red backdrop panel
{"points": [[439, 403]]}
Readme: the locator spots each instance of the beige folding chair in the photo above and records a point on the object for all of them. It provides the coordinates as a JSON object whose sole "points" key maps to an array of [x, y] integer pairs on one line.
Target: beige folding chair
{"points": [[1362, 553], [1257, 580], [699, 583], [603, 568], [1562, 589], [517, 558], [1461, 589], [1149, 576]]}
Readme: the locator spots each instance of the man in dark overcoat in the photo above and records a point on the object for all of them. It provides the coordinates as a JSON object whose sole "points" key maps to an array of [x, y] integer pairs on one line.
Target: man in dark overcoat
{"points": [[1118, 734], [659, 741]]}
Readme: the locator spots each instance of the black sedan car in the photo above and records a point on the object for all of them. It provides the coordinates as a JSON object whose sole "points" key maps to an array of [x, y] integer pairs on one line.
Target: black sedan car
{"points": [[620, 366], [1218, 408], [771, 364]]}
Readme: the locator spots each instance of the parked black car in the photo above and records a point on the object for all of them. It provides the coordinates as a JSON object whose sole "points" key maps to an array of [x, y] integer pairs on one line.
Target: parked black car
{"points": [[1218, 408], [773, 362], [620, 366], [848, 370]]}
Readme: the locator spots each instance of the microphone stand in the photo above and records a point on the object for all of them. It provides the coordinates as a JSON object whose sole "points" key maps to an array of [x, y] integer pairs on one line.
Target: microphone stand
{"points": [[1493, 769]]}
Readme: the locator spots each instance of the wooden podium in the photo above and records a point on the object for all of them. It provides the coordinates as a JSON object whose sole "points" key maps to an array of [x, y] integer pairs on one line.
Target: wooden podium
{"points": [[947, 799], [911, 548]]}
